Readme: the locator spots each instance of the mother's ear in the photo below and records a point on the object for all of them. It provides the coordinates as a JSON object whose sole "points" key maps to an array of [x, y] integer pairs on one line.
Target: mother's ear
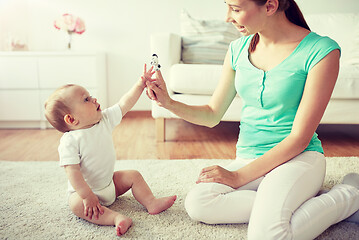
{"points": [[272, 7], [70, 120]]}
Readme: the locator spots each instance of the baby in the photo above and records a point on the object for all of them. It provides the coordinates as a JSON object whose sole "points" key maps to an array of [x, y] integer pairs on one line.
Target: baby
{"points": [[87, 153]]}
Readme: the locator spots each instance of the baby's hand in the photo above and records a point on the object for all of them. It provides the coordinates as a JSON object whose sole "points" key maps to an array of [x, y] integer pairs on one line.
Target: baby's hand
{"points": [[92, 206], [147, 75]]}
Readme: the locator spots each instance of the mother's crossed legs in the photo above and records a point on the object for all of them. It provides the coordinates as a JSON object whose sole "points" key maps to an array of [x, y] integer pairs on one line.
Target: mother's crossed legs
{"points": [[280, 208]]}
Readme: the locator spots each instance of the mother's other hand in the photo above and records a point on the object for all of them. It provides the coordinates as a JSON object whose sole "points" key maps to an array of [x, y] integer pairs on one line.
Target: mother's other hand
{"points": [[218, 174]]}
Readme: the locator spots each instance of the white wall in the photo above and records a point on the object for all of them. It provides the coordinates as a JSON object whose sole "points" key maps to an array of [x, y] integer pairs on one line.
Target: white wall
{"points": [[118, 27]]}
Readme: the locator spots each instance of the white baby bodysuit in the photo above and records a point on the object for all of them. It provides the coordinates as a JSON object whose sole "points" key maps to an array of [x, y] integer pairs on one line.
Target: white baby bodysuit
{"points": [[93, 149]]}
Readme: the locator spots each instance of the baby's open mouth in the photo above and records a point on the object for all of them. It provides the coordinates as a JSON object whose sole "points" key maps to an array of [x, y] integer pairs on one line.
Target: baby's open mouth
{"points": [[99, 107]]}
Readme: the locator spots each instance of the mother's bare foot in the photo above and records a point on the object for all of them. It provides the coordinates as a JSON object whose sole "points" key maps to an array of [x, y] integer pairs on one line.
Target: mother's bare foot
{"points": [[122, 224], [161, 204]]}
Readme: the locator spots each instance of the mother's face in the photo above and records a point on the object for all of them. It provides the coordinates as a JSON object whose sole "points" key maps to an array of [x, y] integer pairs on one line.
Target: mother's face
{"points": [[246, 16]]}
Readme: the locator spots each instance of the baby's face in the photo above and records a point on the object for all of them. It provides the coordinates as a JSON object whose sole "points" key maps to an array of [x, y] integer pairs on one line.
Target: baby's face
{"points": [[84, 107]]}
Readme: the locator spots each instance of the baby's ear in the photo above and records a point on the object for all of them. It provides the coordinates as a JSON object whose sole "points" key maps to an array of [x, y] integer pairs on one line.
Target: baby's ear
{"points": [[70, 120]]}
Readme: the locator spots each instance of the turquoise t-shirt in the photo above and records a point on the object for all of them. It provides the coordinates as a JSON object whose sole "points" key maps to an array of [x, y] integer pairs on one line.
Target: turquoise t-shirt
{"points": [[271, 98]]}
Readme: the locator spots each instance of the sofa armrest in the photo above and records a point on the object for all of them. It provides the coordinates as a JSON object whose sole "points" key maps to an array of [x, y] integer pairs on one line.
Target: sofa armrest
{"points": [[168, 48]]}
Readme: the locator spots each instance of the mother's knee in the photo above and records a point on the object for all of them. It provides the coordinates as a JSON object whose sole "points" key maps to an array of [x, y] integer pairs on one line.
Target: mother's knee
{"points": [[193, 205], [198, 203]]}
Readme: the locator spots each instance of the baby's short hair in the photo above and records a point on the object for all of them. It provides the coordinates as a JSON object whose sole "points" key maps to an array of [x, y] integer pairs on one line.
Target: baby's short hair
{"points": [[56, 108]]}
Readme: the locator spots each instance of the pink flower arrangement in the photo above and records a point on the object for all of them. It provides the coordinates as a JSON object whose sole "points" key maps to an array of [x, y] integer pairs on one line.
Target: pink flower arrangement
{"points": [[70, 24]]}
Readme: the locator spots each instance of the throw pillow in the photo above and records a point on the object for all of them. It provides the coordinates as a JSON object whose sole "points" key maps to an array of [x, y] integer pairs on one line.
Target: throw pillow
{"points": [[205, 41]]}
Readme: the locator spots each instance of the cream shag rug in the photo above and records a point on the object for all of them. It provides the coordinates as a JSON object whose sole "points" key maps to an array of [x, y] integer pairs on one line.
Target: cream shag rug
{"points": [[33, 203]]}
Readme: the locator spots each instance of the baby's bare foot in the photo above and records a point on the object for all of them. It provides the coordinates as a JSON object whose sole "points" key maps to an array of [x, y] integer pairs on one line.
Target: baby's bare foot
{"points": [[122, 224], [161, 204]]}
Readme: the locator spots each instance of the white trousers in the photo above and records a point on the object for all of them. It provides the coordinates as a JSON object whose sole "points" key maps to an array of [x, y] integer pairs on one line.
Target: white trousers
{"points": [[281, 205]]}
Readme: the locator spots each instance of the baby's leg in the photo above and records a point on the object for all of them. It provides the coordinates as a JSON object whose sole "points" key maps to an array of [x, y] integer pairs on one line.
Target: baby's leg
{"points": [[124, 180], [109, 217]]}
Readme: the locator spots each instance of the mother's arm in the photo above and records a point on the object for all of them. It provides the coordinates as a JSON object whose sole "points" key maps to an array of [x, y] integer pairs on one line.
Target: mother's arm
{"points": [[207, 115], [317, 92]]}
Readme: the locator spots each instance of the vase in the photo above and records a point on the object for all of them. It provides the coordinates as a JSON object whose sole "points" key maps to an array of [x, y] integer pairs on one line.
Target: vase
{"points": [[69, 41]]}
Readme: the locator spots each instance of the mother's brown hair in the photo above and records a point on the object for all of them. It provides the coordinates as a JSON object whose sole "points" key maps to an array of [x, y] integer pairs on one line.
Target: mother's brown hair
{"points": [[292, 12]]}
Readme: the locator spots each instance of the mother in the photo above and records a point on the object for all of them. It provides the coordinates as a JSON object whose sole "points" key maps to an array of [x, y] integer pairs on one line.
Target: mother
{"points": [[285, 75]]}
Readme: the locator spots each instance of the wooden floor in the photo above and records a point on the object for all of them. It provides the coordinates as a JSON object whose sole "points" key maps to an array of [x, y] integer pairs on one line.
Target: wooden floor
{"points": [[135, 138]]}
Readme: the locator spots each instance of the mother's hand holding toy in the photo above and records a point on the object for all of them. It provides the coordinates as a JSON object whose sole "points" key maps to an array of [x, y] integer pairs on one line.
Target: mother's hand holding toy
{"points": [[157, 90]]}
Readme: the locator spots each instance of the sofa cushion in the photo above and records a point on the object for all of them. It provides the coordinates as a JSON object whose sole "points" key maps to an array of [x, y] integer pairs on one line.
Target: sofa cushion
{"points": [[347, 86], [199, 79], [344, 29], [205, 41]]}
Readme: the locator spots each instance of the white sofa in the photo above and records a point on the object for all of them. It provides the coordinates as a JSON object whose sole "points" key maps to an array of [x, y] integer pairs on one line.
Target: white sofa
{"points": [[194, 83]]}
